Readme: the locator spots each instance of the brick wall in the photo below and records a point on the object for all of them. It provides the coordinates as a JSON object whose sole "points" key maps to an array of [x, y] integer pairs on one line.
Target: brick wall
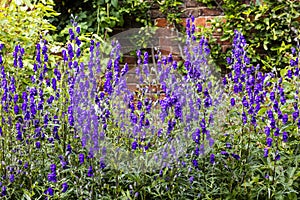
{"points": [[166, 41], [202, 16]]}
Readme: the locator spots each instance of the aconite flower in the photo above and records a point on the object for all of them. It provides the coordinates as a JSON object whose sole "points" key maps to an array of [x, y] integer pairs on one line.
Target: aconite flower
{"points": [[90, 172], [102, 163], [277, 156], [237, 157], [12, 178], [266, 152], [38, 145], [195, 163], [3, 191], [50, 191], [269, 142], [284, 136], [134, 145], [52, 177], [212, 158], [64, 187]]}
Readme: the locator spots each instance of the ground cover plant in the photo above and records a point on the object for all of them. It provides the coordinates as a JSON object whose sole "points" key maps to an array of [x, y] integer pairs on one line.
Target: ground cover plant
{"points": [[179, 136]]}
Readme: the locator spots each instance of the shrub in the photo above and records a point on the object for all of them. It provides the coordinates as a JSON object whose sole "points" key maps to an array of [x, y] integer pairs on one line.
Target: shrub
{"points": [[269, 28], [195, 136]]}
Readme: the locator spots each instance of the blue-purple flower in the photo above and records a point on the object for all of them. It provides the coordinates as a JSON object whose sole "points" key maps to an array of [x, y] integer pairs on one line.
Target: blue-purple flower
{"points": [[3, 191], [90, 172], [266, 152], [50, 191], [81, 158], [212, 158], [269, 142], [64, 187]]}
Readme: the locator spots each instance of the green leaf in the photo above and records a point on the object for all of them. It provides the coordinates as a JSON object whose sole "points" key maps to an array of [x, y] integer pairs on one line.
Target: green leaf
{"points": [[262, 111], [114, 3], [265, 44], [257, 16], [26, 194], [283, 72], [267, 21], [258, 26], [225, 38]]}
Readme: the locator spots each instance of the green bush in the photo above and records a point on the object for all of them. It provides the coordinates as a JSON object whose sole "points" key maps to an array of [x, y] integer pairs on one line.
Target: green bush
{"points": [[99, 16], [269, 27], [22, 22]]}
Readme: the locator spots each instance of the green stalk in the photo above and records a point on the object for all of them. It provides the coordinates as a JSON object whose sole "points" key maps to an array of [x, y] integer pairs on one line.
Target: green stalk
{"points": [[98, 24]]}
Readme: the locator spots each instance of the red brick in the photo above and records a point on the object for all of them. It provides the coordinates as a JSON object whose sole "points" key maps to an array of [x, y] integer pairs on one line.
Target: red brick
{"points": [[175, 50], [131, 87], [129, 59], [210, 12], [196, 12], [165, 50], [200, 21], [167, 41], [161, 22], [192, 3], [177, 58], [165, 32]]}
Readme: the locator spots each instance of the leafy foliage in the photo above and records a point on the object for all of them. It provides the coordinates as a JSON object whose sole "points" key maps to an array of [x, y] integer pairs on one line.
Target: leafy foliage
{"points": [[269, 26], [62, 137], [27, 21], [172, 9], [100, 16]]}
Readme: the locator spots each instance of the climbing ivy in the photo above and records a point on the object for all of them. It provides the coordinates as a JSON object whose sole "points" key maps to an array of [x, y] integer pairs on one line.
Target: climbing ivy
{"points": [[270, 28]]}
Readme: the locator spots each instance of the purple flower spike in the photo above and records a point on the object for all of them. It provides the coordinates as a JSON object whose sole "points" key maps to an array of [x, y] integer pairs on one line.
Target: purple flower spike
{"points": [[195, 163], [285, 118], [64, 187], [78, 29], [267, 131], [191, 179], [72, 36], [232, 101], [90, 172], [295, 114], [38, 145], [3, 191], [53, 168], [16, 109], [293, 50], [269, 142], [134, 145], [237, 157], [49, 191], [276, 132], [277, 156], [81, 158], [212, 158], [284, 136], [266, 152], [102, 163], [225, 153], [12, 178], [52, 177]]}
